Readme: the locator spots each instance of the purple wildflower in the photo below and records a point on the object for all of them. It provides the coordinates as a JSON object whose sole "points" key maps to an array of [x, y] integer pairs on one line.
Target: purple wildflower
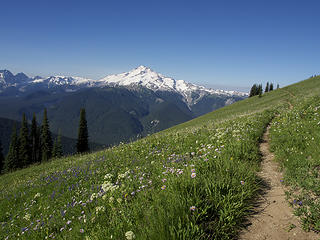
{"points": [[193, 208]]}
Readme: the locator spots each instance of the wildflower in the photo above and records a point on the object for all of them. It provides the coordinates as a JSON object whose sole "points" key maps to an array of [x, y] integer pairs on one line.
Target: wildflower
{"points": [[111, 200], [108, 176], [27, 216], [130, 235], [93, 196], [100, 209], [193, 170], [107, 186], [81, 230], [242, 182], [163, 187], [68, 222], [281, 180], [193, 175], [61, 229], [37, 195], [192, 208], [164, 180]]}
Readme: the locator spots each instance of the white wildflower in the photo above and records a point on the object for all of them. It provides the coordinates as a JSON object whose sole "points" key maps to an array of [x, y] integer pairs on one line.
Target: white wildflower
{"points": [[108, 176], [100, 209], [130, 235], [27, 216], [93, 196], [37, 195]]}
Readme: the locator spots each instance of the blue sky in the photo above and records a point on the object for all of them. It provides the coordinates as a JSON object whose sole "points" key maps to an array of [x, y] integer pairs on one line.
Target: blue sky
{"points": [[218, 43]]}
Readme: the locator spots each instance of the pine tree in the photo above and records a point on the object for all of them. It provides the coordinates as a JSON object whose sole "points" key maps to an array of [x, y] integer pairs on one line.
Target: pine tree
{"points": [[260, 91], [254, 90], [271, 87], [35, 141], [57, 151], [267, 87], [82, 143], [1, 159], [45, 138], [39, 150], [12, 159], [24, 144], [278, 86]]}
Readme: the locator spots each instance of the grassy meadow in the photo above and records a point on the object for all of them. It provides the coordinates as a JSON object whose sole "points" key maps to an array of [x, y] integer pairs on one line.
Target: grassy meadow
{"points": [[295, 138], [196, 180]]}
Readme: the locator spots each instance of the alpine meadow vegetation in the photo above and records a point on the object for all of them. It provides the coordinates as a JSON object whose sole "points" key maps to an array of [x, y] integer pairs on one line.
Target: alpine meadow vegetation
{"points": [[196, 180]]}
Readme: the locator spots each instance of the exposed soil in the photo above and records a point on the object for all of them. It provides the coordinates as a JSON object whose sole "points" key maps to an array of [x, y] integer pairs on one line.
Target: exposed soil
{"points": [[273, 218]]}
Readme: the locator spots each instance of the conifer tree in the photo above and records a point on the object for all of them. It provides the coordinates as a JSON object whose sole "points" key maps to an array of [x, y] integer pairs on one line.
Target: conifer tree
{"points": [[1, 159], [45, 138], [254, 90], [82, 143], [35, 141], [267, 87], [57, 147], [278, 86], [12, 159], [39, 150], [24, 143], [260, 91], [271, 87]]}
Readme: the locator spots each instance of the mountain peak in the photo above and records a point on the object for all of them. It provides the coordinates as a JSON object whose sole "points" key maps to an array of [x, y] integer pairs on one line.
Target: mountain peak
{"points": [[142, 68]]}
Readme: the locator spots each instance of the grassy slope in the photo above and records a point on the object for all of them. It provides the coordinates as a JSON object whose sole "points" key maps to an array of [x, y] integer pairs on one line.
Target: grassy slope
{"points": [[295, 138], [146, 186]]}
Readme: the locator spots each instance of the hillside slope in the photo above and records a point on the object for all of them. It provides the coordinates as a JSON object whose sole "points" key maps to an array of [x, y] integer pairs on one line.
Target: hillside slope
{"points": [[68, 144], [196, 180]]}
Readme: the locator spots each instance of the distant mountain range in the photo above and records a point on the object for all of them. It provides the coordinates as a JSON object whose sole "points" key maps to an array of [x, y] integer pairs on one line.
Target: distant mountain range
{"points": [[140, 76], [119, 107]]}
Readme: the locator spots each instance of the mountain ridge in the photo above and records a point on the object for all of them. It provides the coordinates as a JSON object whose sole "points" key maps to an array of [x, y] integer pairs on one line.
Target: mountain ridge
{"points": [[140, 76]]}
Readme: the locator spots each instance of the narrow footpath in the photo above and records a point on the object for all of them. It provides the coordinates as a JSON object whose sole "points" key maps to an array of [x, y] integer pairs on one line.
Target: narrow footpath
{"points": [[273, 218]]}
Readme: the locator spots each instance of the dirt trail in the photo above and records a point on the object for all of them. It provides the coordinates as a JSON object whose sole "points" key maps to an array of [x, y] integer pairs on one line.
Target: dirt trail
{"points": [[272, 215]]}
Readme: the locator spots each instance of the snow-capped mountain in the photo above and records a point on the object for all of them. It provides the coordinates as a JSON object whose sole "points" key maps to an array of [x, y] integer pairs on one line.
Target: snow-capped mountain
{"points": [[141, 76], [146, 77], [120, 107]]}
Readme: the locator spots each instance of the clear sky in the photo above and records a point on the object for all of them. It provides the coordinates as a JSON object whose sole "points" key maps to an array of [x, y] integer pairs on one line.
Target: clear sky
{"points": [[227, 42]]}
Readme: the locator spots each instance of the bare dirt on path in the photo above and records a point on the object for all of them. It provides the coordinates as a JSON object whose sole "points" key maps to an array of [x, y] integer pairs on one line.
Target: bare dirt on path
{"points": [[273, 218]]}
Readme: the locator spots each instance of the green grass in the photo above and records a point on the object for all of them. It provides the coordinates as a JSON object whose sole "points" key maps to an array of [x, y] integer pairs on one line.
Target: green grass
{"points": [[295, 137], [196, 180]]}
